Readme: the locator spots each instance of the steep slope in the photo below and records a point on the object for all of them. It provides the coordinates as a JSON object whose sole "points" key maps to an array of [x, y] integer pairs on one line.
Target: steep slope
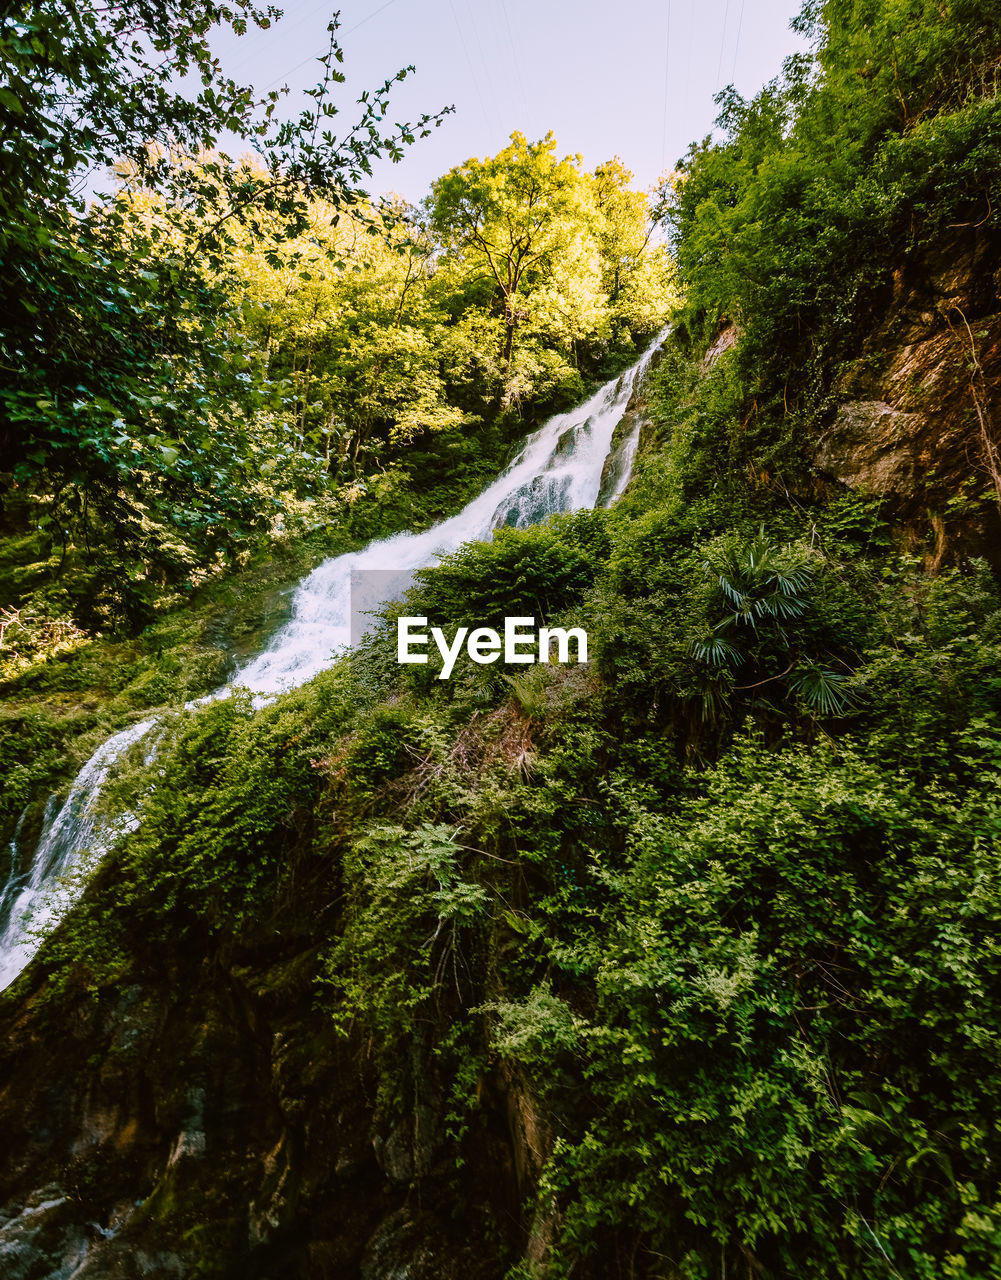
{"points": [[919, 412], [681, 964], [204, 1116]]}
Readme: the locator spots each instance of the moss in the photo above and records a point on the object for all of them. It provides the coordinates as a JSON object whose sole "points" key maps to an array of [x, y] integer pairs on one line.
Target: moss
{"points": [[54, 714]]}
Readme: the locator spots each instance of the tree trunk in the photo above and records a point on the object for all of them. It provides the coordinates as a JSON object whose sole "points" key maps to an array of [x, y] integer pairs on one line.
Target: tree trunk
{"points": [[508, 344]]}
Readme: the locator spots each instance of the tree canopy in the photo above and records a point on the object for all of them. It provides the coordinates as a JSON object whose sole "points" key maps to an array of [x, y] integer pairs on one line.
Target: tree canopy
{"points": [[222, 347], [130, 412]]}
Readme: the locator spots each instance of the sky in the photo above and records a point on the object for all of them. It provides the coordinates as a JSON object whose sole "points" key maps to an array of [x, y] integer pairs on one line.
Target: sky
{"points": [[634, 79]]}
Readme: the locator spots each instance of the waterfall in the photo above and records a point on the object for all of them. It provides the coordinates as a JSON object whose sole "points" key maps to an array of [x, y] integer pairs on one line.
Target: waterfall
{"points": [[558, 469], [561, 467], [35, 901]]}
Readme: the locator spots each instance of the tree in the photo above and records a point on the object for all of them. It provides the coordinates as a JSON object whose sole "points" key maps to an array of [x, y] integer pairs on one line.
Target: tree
{"points": [[513, 215], [128, 406], [343, 313], [637, 271], [563, 257], [624, 229]]}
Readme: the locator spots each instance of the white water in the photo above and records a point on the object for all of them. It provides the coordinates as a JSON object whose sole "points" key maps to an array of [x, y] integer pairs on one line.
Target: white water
{"points": [[558, 469]]}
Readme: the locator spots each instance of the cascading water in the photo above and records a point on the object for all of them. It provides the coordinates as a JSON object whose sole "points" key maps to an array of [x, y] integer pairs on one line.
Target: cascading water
{"points": [[33, 901], [564, 466]]}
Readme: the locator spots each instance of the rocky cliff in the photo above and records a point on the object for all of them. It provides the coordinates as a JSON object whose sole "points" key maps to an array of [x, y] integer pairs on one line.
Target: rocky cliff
{"points": [[919, 415], [202, 1118]]}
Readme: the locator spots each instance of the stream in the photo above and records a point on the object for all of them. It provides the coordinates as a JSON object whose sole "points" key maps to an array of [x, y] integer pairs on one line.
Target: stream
{"points": [[573, 461]]}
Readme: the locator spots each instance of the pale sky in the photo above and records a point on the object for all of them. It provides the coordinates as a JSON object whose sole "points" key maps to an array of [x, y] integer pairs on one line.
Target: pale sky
{"points": [[635, 79]]}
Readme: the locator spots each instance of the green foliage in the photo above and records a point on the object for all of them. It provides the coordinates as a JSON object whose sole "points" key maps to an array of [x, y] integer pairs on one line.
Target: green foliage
{"points": [[778, 1052], [221, 812], [64, 692], [391, 329], [32, 756], [831, 179], [719, 913], [759, 583], [741, 990], [221, 356], [744, 967], [707, 629], [561, 251], [409, 944], [529, 690], [133, 421], [537, 571]]}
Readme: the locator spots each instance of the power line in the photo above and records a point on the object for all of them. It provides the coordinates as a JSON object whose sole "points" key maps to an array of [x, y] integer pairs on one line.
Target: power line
{"points": [[314, 57], [261, 36], [740, 23], [469, 63], [689, 57], [374, 14], [722, 43], [667, 76], [517, 61], [484, 64]]}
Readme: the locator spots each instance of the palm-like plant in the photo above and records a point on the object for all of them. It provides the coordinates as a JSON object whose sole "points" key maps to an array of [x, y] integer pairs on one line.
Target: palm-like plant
{"points": [[761, 589], [822, 690], [760, 581]]}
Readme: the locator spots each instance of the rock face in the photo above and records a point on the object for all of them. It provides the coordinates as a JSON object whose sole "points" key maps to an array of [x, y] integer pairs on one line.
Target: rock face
{"points": [[920, 416], [874, 447], [204, 1119], [625, 441]]}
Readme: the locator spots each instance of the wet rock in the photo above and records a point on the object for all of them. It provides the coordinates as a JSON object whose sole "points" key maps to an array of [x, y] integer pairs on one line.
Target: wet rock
{"points": [[415, 1248], [567, 443], [872, 447], [395, 1153], [626, 439], [540, 498], [618, 464], [206, 1119], [40, 1240], [919, 418], [273, 1208]]}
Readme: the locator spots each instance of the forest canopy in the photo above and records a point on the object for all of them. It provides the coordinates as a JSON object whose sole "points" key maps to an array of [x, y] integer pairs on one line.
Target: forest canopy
{"points": [[223, 350]]}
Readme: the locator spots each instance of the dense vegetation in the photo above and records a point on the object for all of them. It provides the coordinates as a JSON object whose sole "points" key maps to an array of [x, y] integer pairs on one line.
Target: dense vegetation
{"points": [[857, 162], [731, 915], [225, 363], [726, 901], [221, 352]]}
